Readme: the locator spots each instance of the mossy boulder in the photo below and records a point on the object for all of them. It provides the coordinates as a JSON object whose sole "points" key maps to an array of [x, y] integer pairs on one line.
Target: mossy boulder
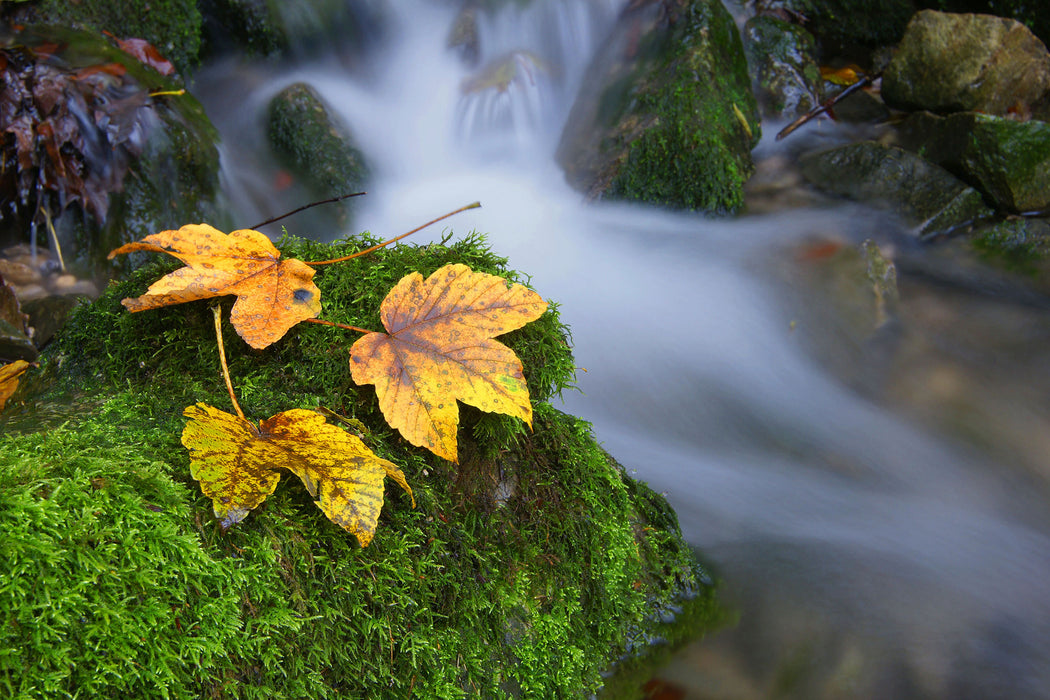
{"points": [[529, 569], [926, 196], [316, 146], [1007, 160], [666, 114], [172, 26]]}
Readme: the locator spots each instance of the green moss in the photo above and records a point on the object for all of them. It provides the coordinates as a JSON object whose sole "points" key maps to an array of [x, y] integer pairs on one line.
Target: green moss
{"points": [[1016, 245], [172, 26], [527, 570], [694, 152], [315, 145]]}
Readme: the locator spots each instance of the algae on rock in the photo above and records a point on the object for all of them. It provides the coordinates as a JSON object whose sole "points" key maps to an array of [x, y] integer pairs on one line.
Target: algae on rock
{"points": [[526, 571]]}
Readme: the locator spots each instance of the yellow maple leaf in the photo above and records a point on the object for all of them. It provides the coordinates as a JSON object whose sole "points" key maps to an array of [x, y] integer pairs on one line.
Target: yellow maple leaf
{"points": [[9, 375], [272, 294], [439, 348], [238, 465]]}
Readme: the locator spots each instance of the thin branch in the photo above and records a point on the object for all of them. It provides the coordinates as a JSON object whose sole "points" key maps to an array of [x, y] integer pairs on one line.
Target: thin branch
{"points": [[307, 206], [217, 310], [828, 104], [475, 205], [337, 325]]}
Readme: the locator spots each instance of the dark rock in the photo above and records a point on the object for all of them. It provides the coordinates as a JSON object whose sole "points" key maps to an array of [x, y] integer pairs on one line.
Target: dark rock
{"points": [[925, 195], [315, 145], [841, 24], [954, 63], [48, 314], [781, 57], [173, 27], [463, 37], [666, 114], [277, 28], [15, 344], [1007, 160]]}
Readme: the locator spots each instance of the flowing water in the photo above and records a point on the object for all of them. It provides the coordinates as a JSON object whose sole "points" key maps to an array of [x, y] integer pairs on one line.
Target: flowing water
{"points": [[876, 504]]}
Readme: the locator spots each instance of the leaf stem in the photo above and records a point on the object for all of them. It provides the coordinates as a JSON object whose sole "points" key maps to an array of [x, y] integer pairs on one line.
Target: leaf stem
{"points": [[474, 205], [337, 325], [307, 206], [217, 310]]}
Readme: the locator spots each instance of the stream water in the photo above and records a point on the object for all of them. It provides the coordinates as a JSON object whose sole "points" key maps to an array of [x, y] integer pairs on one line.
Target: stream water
{"points": [[875, 503]]}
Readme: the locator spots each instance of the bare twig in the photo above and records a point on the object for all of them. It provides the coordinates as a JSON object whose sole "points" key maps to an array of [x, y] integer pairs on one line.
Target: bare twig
{"points": [[828, 104], [307, 206]]}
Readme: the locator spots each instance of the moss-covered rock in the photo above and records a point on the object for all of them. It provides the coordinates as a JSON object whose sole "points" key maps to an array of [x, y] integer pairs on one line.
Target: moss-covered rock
{"points": [[172, 26], [1006, 160], [666, 114], [527, 570], [272, 27], [925, 195], [315, 145]]}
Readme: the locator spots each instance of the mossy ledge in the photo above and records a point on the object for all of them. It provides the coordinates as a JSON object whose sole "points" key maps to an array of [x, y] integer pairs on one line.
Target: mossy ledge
{"points": [[529, 570]]}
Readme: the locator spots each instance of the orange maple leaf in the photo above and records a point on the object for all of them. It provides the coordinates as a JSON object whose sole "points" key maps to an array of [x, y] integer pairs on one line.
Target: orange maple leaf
{"points": [[272, 294], [440, 348], [238, 465], [9, 375]]}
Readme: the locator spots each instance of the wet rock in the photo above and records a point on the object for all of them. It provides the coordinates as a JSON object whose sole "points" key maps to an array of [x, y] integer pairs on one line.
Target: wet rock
{"points": [[666, 114], [15, 344], [48, 314], [95, 129], [967, 62], [173, 27], [861, 107], [781, 58], [1007, 160], [463, 37], [315, 145], [926, 196], [275, 28]]}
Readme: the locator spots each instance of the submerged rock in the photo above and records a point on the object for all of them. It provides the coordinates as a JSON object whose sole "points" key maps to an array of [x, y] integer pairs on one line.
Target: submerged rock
{"points": [[952, 63], [925, 195], [529, 569], [666, 114]]}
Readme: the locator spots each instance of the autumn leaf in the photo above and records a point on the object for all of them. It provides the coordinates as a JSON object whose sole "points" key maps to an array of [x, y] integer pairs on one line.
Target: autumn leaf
{"points": [[9, 375], [238, 465], [440, 348], [272, 294], [844, 76]]}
